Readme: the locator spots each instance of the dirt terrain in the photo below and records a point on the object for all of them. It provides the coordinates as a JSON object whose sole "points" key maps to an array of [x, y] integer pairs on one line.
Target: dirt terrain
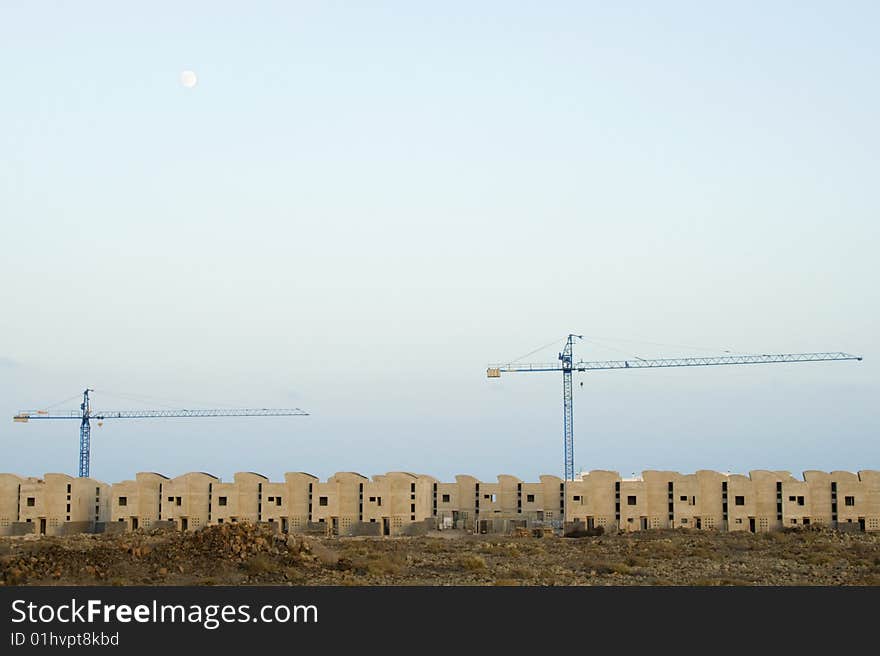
{"points": [[240, 554]]}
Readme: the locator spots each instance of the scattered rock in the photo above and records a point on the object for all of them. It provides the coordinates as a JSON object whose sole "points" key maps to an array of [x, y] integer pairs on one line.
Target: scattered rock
{"points": [[231, 554]]}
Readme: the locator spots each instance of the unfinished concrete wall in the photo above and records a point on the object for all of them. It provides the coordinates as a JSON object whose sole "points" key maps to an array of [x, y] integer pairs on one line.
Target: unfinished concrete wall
{"points": [[22, 528], [55, 500], [362, 529], [186, 500], [403, 503], [10, 485], [138, 503]]}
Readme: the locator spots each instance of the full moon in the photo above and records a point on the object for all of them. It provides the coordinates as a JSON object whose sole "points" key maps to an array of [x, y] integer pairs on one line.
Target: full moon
{"points": [[188, 79]]}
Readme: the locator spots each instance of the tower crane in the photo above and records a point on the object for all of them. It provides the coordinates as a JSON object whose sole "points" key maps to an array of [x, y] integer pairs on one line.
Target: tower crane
{"points": [[566, 364], [86, 414]]}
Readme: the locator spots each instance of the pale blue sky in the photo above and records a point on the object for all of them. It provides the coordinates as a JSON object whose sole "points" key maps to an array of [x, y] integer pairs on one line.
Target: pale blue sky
{"points": [[360, 206]]}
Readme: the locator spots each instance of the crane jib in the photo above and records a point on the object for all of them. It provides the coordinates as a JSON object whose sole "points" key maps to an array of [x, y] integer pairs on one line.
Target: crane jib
{"points": [[639, 363], [85, 415]]}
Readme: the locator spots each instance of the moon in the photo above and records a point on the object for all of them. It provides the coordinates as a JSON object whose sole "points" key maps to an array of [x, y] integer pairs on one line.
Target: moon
{"points": [[188, 79]]}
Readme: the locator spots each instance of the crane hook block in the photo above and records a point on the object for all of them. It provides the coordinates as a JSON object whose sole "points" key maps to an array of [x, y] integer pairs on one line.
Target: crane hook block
{"points": [[493, 372]]}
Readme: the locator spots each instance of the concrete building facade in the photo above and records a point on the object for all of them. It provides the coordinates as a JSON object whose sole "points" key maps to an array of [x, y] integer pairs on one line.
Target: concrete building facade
{"points": [[138, 503], [10, 492], [186, 500], [239, 501], [404, 503], [56, 504]]}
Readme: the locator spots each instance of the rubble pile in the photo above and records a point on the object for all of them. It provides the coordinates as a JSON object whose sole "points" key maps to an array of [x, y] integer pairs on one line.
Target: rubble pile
{"points": [[161, 556]]}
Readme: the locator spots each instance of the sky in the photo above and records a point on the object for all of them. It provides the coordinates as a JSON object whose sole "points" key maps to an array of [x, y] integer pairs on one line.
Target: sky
{"points": [[361, 205]]}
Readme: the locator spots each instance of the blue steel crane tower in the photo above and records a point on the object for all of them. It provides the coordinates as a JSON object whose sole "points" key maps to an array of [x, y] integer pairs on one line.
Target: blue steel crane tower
{"points": [[567, 366], [85, 415]]}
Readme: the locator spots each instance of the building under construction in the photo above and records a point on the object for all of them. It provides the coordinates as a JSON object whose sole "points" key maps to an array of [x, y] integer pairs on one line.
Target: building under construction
{"points": [[401, 503]]}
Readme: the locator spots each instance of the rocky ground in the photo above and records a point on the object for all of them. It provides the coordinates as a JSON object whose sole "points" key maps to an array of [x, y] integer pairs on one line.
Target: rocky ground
{"points": [[239, 554]]}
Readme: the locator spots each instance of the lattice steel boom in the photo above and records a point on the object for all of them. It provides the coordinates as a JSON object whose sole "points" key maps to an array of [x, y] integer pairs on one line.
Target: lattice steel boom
{"points": [[85, 415], [567, 365]]}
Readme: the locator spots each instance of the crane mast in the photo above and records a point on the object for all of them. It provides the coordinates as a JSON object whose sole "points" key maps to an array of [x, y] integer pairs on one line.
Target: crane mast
{"points": [[567, 365], [85, 436], [85, 415], [568, 406]]}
